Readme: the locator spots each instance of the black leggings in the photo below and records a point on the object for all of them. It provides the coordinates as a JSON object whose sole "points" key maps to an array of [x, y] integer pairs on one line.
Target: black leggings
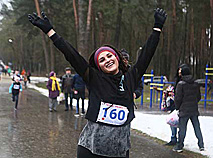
{"points": [[85, 153]]}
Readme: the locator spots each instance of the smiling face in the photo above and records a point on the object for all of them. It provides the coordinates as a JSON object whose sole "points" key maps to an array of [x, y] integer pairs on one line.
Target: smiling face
{"points": [[108, 63]]}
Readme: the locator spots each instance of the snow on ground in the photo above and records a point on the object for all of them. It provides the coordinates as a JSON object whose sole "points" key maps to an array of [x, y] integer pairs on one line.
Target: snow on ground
{"points": [[155, 125]]}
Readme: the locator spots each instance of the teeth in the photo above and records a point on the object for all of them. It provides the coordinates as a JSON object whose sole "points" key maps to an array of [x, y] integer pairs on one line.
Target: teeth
{"points": [[110, 64]]}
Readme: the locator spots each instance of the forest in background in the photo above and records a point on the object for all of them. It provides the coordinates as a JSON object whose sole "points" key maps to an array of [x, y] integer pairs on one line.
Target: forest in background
{"points": [[88, 24]]}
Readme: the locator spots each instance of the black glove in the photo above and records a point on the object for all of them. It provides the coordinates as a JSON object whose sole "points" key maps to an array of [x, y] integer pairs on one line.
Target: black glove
{"points": [[160, 18], [44, 24]]}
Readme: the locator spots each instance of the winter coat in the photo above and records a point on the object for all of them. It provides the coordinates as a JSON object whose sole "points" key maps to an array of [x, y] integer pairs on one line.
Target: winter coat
{"points": [[177, 77], [67, 83], [78, 87], [113, 89], [52, 94], [187, 96], [138, 91]]}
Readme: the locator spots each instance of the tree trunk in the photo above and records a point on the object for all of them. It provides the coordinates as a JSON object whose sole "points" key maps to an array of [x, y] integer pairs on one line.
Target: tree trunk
{"points": [[46, 55], [52, 56], [192, 52], [89, 15], [76, 23], [81, 38], [185, 37], [173, 62], [21, 55], [94, 29], [118, 25], [168, 54], [101, 28]]}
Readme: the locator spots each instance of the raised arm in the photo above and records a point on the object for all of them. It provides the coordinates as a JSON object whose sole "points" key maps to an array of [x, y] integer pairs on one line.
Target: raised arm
{"points": [[147, 51], [71, 54]]}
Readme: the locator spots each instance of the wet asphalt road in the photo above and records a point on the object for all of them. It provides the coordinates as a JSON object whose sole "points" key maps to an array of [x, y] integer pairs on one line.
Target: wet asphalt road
{"points": [[34, 132]]}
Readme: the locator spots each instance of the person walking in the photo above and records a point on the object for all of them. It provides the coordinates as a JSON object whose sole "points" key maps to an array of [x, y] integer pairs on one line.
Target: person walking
{"points": [[15, 89], [187, 96], [24, 76], [79, 92], [111, 86], [66, 88], [28, 75], [54, 90]]}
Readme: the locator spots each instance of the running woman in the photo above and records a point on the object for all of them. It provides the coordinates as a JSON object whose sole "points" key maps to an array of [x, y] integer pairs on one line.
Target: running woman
{"points": [[111, 86]]}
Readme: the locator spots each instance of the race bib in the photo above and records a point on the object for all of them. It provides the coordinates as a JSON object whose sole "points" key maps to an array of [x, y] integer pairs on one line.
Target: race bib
{"points": [[112, 114], [16, 86]]}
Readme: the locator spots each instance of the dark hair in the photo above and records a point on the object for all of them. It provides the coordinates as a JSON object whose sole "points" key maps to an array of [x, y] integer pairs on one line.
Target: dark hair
{"points": [[185, 71], [122, 65], [124, 53]]}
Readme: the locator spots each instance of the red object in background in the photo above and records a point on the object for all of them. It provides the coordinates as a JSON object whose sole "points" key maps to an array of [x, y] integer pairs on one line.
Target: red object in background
{"points": [[23, 72]]}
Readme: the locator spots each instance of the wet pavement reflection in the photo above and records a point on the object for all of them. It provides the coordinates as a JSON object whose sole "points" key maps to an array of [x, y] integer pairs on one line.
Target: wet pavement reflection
{"points": [[33, 131]]}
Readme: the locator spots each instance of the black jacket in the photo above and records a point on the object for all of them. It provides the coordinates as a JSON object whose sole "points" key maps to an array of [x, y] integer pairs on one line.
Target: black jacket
{"points": [[138, 91], [187, 96], [107, 87], [67, 82]]}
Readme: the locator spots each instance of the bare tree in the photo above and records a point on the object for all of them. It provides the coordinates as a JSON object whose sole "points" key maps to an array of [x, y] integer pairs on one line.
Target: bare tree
{"points": [[118, 25], [76, 23], [89, 16], [46, 55]]}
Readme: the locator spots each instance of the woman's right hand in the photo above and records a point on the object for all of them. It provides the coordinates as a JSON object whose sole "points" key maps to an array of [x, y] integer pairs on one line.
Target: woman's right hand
{"points": [[42, 23]]}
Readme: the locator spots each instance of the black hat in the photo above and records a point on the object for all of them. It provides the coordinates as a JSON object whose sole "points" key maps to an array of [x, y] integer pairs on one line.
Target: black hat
{"points": [[125, 54], [67, 69], [185, 69]]}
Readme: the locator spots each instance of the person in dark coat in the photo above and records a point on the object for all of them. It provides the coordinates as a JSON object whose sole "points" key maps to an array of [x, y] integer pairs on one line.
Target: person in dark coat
{"points": [[54, 90], [187, 96], [28, 75], [111, 86], [66, 88], [79, 92]]}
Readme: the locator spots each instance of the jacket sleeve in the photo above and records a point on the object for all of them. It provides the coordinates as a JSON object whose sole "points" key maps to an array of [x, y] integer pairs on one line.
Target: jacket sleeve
{"points": [[71, 54], [62, 84], [198, 94], [138, 91], [73, 81], [10, 88], [146, 53], [48, 85], [178, 96]]}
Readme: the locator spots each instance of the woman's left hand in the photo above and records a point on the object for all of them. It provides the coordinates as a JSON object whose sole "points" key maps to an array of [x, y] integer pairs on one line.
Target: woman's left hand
{"points": [[160, 18]]}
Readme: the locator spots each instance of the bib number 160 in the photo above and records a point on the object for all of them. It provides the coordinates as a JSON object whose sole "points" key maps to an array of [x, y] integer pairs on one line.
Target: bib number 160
{"points": [[112, 114], [120, 114]]}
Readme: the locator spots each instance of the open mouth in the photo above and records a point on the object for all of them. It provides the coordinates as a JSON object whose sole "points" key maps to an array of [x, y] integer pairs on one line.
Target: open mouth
{"points": [[109, 64]]}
